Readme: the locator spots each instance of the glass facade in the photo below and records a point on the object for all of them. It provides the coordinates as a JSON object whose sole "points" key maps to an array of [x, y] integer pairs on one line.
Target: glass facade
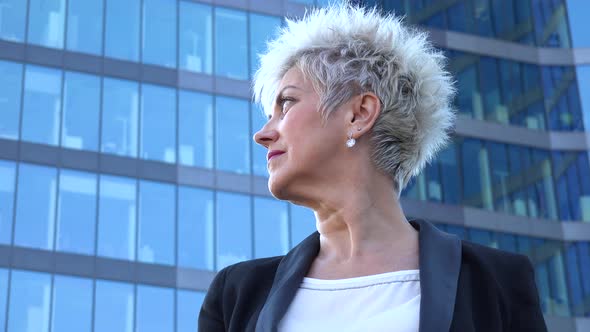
{"points": [[137, 155]]}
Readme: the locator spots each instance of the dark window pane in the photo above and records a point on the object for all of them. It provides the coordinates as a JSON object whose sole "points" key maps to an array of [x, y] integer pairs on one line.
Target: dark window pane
{"points": [[476, 191], [46, 22], [188, 304], [7, 178], [155, 309], [234, 229], [432, 172], [489, 84], [10, 95], [85, 26], [584, 169], [451, 179], [158, 123], [499, 176], [271, 227], [156, 223], [574, 285], [72, 304], [159, 32], [122, 29], [195, 129], [559, 295], [80, 115], [302, 223], [543, 187], [195, 228], [507, 242], [485, 238], [231, 49], [30, 296], [232, 135], [262, 28], [120, 117], [12, 20], [195, 37], [113, 308]]}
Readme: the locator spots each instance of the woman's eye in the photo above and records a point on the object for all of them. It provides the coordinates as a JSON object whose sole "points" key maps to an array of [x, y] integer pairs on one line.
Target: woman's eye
{"points": [[285, 104]]}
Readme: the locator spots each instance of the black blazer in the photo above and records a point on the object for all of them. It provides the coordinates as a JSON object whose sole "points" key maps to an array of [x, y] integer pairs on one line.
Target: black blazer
{"points": [[464, 287]]}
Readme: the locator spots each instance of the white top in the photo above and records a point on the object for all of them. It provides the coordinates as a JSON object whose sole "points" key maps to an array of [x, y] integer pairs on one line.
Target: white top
{"points": [[381, 302]]}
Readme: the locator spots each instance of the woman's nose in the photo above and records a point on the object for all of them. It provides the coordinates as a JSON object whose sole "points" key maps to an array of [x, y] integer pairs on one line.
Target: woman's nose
{"points": [[265, 136]]}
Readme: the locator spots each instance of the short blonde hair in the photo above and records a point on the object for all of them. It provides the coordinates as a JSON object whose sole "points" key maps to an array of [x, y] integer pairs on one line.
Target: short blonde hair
{"points": [[346, 50]]}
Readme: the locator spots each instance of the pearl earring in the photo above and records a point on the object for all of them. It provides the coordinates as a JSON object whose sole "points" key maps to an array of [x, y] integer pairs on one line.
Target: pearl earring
{"points": [[351, 141]]}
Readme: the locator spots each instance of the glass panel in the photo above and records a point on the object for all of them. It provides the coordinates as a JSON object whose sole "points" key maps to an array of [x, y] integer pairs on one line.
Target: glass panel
{"points": [[231, 49], [583, 76], [116, 222], [46, 22], [42, 104], [80, 115], [156, 223], [271, 227], [457, 230], [10, 96], [158, 123], [195, 228], [499, 176], [583, 250], [543, 187], [234, 229], [302, 223], [475, 166], [490, 91], [451, 179], [262, 28], [113, 308], [85, 26], [12, 20], [7, 177], [485, 238], [258, 120], [76, 212], [188, 304], [195, 37], [122, 29], [120, 117], [30, 293], [232, 135], [159, 32], [72, 304], [577, 11], [195, 129], [432, 172], [155, 309], [35, 207], [584, 169], [573, 280], [3, 296], [516, 180], [559, 293], [507, 242]]}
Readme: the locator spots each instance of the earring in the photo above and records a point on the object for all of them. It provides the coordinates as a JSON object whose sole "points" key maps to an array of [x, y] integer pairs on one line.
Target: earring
{"points": [[351, 141]]}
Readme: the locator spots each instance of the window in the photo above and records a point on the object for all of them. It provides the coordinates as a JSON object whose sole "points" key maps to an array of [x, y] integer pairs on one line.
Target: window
{"points": [[489, 81], [259, 152], [432, 172], [234, 229], [10, 95], [46, 22], [195, 129], [113, 307], [72, 304], [507, 242], [120, 117], [302, 223], [7, 175], [584, 169], [30, 296], [559, 295], [159, 32], [195, 228], [476, 193], [76, 212], [85, 26], [156, 223], [195, 37], [3, 295], [576, 10], [450, 178], [573, 279], [188, 304], [158, 123], [12, 20], [231, 54], [80, 116], [262, 28], [499, 176], [271, 227], [42, 105], [155, 309], [122, 29], [116, 222], [35, 207], [232, 135], [485, 238], [518, 195], [544, 193]]}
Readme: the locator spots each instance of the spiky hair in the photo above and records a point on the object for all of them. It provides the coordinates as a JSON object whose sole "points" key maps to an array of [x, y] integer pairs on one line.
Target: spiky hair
{"points": [[346, 50]]}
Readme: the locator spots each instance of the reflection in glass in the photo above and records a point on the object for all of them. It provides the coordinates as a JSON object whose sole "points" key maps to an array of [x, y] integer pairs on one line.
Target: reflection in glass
{"points": [[234, 229], [116, 222], [158, 123], [195, 37], [3, 295], [122, 29], [72, 304], [80, 116], [232, 135], [155, 309], [46, 22], [76, 212], [231, 48], [10, 95], [42, 105], [30, 296], [302, 223], [187, 304], [477, 192], [85, 26], [195, 129], [262, 28], [259, 152], [120, 108], [159, 32], [195, 228], [451, 177], [113, 307], [12, 20], [7, 178], [35, 207], [271, 227], [156, 223]]}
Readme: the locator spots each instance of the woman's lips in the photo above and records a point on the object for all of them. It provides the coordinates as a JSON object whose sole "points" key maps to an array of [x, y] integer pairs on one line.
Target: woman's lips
{"points": [[273, 154]]}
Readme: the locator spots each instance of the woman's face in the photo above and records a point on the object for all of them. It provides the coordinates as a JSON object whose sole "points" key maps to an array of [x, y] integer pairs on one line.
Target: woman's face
{"points": [[312, 153]]}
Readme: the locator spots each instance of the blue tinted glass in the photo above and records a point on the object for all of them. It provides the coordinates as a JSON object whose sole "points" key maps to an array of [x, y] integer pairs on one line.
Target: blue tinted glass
{"points": [[472, 161], [432, 172], [500, 176], [72, 304], [195, 37], [30, 296], [258, 151], [3, 296], [577, 13], [232, 135], [80, 116], [188, 304], [195, 228], [451, 178], [507, 242], [271, 227], [122, 29], [262, 28], [158, 123], [545, 194], [120, 117], [76, 212], [558, 284], [10, 95], [302, 223], [456, 17], [155, 309], [231, 48], [42, 105], [489, 84], [46, 22], [35, 207], [195, 129], [468, 101], [584, 257], [485, 238], [159, 32], [85, 26], [234, 229], [156, 223], [457, 230], [113, 309], [7, 177], [583, 76], [584, 169], [12, 20], [116, 222], [573, 279]]}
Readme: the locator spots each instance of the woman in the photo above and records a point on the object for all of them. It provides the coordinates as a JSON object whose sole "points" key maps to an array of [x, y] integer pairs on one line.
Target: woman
{"points": [[357, 104]]}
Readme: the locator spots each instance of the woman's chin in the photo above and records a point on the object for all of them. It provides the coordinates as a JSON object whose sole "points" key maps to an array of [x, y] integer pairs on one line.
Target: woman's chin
{"points": [[277, 187]]}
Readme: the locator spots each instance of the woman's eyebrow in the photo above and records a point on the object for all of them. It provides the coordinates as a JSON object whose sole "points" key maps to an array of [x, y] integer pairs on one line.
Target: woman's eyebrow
{"points": [[280, 94]]}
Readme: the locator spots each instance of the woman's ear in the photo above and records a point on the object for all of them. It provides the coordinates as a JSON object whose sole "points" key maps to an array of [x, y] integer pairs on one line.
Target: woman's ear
{"points": [[366, 110]]}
